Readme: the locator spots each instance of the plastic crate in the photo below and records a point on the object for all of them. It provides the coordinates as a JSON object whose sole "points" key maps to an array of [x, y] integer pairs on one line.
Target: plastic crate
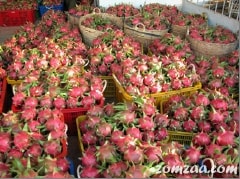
{"points": [[110, 91], [78, 121], [184, 138], [17, 17], [43, 9], [71, 169], [13, 82], [64, 149], [70, 116], [3, 94], [161, 97], [15, 109]]}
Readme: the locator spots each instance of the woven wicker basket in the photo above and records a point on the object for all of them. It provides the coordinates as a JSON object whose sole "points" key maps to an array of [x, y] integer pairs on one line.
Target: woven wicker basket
{"points": [[89, 34], [208, 49], [73, 19], [179, 30], [144, 36]]}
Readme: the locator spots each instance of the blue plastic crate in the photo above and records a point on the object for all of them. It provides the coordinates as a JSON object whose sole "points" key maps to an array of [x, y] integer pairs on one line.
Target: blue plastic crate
{"points": [[71, 167], [43, 9]]}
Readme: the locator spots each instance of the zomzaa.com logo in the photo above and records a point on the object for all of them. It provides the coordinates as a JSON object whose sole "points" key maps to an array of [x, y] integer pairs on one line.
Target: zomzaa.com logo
{"points": [[207, 167]]}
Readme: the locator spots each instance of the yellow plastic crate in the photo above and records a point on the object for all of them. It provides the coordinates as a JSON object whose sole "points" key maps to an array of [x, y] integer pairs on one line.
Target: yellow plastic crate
{"points": [[79, 119], [110, 91], [161, 97], [184, 138], [13, 82]]}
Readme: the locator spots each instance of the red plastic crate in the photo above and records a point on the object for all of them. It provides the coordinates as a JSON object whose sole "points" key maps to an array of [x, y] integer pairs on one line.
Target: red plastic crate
{"points": [[1, 19], [64, 149], [15, 109], [70, 116], [64, 143], [3, 93], [17, 17]]}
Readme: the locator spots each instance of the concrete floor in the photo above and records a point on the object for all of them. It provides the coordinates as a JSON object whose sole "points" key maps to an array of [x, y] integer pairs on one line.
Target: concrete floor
{"points": [[7, 32], [73, 147]]}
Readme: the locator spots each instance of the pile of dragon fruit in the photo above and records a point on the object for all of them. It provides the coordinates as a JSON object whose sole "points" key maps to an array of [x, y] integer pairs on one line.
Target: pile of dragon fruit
{"points": [[154, 74], [121, 140], [123, 10], [12, 5], [219, 73], [203, 111], [109, 49], [183, 19], [50, 44], [52, 73], [51, 2], [58, 71], [33, 145], [99, 23], [79, 11], [131, 140], [66, 88], [217, 34], [48, 58]]}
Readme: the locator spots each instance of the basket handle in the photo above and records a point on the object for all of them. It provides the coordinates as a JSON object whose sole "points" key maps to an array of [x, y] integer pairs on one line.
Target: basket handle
{"points": [[137, 26], [212, 165], [79, 167], [104, 82], [66, 129], [118, 82], [96, 10], [193, 67], [14, 89], [87, 62], [188, 31]]}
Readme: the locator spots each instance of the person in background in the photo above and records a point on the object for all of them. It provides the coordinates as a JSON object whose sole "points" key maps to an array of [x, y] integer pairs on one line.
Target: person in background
{"points": [[68, 4]]}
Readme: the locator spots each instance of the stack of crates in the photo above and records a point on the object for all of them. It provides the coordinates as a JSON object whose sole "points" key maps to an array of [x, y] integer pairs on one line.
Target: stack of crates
{"points": [[16, 17]]}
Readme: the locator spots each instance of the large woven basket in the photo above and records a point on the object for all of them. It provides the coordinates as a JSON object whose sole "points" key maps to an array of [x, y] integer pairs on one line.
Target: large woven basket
{"points": [[143, 35], [179, 30], [73, 19], [89, 34], [208, 49]]}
